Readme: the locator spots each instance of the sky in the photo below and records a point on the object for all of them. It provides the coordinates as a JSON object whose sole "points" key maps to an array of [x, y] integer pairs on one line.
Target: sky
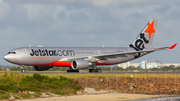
{"points": [[88, 23]]}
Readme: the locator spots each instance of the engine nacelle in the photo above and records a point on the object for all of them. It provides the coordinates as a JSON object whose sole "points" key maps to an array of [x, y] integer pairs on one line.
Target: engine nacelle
{"points": [[42, 68], [80, 64]]}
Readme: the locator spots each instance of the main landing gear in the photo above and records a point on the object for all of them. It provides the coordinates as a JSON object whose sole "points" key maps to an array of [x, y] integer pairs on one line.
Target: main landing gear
{"points": [[94, 70], [90, 71], [72, 71]]}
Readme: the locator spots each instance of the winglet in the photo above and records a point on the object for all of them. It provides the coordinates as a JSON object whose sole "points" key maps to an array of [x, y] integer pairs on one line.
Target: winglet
{"points": [[172, 47]]}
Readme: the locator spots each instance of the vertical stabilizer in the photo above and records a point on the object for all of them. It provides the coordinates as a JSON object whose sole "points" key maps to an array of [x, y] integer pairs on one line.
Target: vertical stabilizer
{"points": [[145, 38]]}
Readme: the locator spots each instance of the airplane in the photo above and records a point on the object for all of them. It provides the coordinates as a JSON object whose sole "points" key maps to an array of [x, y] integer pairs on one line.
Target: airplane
{"points": [[77, 58]]}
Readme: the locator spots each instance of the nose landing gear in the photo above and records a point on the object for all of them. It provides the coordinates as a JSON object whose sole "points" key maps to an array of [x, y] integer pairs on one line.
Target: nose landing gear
{"points": [[22, 69]]}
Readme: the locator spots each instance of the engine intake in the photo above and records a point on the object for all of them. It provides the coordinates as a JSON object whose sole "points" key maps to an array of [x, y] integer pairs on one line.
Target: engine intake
{"points": [[42, 68], [80, 64]]}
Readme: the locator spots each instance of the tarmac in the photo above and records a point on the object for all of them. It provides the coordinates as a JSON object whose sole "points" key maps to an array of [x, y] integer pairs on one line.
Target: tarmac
{"points": [[104, 72]]}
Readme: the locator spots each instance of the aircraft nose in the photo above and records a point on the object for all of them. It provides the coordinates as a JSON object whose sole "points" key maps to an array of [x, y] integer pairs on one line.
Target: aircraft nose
{"points": [[11, 58], [7, 57]]}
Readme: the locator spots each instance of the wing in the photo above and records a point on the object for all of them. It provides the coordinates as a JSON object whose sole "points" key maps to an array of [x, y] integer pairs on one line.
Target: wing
{"points": [[95, 58]]}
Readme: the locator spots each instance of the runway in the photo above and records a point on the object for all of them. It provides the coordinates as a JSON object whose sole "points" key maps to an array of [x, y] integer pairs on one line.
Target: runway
{"points": [[103, 72], [54, 72]]}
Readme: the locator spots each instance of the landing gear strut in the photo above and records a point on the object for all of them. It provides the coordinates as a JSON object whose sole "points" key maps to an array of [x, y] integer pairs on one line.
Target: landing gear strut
{"points": [[22, 69]]}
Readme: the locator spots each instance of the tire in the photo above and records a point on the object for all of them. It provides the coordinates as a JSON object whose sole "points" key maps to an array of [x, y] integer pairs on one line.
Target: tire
{"points": [[23, 70], [99, 70], [95, 70], [72, 71]]}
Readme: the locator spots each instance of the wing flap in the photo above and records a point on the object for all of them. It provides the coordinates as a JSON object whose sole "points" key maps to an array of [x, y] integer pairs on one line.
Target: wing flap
{"points": [[133, 54]]}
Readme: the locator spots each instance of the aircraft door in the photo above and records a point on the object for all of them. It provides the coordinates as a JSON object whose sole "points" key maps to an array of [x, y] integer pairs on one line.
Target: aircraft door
{"points": [[24, 55], [24, 52]]}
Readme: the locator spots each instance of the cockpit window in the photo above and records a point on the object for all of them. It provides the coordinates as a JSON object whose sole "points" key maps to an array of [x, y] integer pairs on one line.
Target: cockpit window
{"points": [[11, 52]]}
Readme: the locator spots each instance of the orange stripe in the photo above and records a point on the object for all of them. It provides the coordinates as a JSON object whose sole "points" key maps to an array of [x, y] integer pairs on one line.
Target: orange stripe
{"points": [[67, 64], [56, 63]]}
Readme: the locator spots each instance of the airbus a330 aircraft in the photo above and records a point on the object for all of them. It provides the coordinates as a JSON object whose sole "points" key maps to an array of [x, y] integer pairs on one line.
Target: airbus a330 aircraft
{"points": [[76, 58]]}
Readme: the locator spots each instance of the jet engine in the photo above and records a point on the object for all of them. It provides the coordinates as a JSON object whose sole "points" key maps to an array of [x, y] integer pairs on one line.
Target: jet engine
{"points": [[80, 64], [42, 68]]}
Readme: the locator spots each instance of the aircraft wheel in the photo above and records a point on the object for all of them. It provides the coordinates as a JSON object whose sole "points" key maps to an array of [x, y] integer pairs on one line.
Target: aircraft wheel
{"points": [[99, 70], [23, 70], [95, 70], [72, 71]]}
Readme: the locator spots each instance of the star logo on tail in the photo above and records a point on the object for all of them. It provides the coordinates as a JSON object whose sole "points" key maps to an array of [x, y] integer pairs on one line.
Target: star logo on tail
{"points": [[150, 29]]}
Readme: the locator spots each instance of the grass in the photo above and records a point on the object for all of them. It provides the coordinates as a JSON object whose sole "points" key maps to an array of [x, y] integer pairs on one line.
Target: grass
{"points": [[60, 83], [5, 96], [86, 74], [36, 95], [25, 96], [16, 97], [93, 75], [15, 83]]}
